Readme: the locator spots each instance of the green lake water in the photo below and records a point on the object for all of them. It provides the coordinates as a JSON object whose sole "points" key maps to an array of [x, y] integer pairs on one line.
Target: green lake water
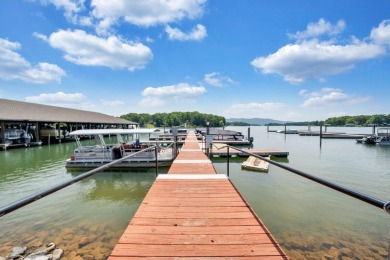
{"points": [[308, 220]]}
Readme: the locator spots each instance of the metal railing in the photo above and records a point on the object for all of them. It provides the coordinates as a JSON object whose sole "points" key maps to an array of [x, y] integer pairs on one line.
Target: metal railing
{"points": [[29, 199], [355, 194]]}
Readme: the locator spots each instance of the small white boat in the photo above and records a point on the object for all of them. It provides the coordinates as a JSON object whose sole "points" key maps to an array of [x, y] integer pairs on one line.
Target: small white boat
{"points": [[102, 153], [369, 139], [288, 131], [255, 164]]}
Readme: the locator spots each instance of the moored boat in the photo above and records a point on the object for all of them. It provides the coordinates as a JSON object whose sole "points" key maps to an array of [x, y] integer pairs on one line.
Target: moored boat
{"points": [[369, 139], [221, 135], [383, 136], [91, 156], [15, 136]]}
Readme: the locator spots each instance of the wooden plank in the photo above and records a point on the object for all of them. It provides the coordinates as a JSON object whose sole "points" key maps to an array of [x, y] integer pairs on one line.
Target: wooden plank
{"points": [[198, 258], [182, 230], [188, 168], [164, 239], [194, 215], [196, 222], [194, 203], [205, 209], [143, 250]]}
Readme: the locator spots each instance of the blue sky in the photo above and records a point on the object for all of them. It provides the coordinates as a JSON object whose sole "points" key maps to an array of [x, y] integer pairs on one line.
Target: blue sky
{"points": [[286, 60]]}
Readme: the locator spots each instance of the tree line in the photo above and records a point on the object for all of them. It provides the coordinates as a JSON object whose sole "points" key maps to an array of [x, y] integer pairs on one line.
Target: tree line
{"points": [[362, 120], [196, 119], [189, 119]]}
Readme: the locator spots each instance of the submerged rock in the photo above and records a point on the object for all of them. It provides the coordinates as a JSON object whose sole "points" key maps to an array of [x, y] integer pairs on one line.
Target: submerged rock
{"points": [[57, 253], [42, 252], [17, 252], [39, 257]]}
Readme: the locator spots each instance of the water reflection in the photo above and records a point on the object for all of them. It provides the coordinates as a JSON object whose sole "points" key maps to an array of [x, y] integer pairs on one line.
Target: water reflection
{"points": [[120, 186]]}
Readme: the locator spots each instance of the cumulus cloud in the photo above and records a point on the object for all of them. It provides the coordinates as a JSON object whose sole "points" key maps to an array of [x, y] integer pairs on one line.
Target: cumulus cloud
{"points": [[89, 50], [331, 97], [319, 28], [14, 67], [214, 79], [61, 99], [197, 34], [147, 12], [104, 14], [381, 34], [71, 8], [310, 58], [314, 60], [161, 95]]}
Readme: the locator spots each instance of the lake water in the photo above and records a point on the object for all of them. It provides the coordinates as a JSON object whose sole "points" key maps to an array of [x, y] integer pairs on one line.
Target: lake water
{"points": [[308, 220]]}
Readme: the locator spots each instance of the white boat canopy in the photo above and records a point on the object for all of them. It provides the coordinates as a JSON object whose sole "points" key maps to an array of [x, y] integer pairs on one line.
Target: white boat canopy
{"points": [[115, 131]]}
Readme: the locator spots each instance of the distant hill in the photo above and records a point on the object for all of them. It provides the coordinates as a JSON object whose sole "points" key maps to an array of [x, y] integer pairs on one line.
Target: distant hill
{"points": [[257, 121]]}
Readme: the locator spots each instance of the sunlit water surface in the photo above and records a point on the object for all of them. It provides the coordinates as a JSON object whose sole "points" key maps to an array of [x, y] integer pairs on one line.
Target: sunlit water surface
{"points": [[308, 220]]}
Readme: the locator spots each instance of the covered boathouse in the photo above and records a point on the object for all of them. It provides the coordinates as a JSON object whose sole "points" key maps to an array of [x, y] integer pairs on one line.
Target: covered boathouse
{"points": [[22, 123]]}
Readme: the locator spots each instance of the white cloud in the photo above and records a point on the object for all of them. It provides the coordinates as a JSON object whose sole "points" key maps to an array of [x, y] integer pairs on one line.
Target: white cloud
{"points": [[112, 103], [71, 9], [381, 34], [89, 50], [104, 14], [147, 12], [14, 67], [197, 33], [322, 27], [61, 99], [310, 58], [302, 92], [181, 92], [314, 60], [331, 97], [214, 79]]}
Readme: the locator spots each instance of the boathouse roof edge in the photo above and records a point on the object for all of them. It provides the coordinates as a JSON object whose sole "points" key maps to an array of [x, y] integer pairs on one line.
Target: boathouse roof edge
{"points": [[11, 110]]}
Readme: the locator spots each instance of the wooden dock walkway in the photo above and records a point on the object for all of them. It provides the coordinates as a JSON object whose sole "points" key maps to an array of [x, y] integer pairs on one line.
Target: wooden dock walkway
{"points": [[192, 212]]}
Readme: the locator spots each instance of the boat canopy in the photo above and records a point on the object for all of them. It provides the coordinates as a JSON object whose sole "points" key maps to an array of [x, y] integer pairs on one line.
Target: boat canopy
{"points": [[115, 131]]}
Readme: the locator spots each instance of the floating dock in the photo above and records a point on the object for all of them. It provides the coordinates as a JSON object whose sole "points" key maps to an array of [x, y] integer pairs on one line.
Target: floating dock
{"points": [[220, 149], [335, 135], [192, 212]]}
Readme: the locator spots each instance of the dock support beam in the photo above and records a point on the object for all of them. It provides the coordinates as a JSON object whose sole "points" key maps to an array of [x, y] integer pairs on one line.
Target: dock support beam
{"points": [[2, 126]]}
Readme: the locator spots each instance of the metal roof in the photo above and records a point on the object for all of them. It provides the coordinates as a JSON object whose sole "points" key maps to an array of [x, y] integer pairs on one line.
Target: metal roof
{"points": [[11, 110], [115, 131]]}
